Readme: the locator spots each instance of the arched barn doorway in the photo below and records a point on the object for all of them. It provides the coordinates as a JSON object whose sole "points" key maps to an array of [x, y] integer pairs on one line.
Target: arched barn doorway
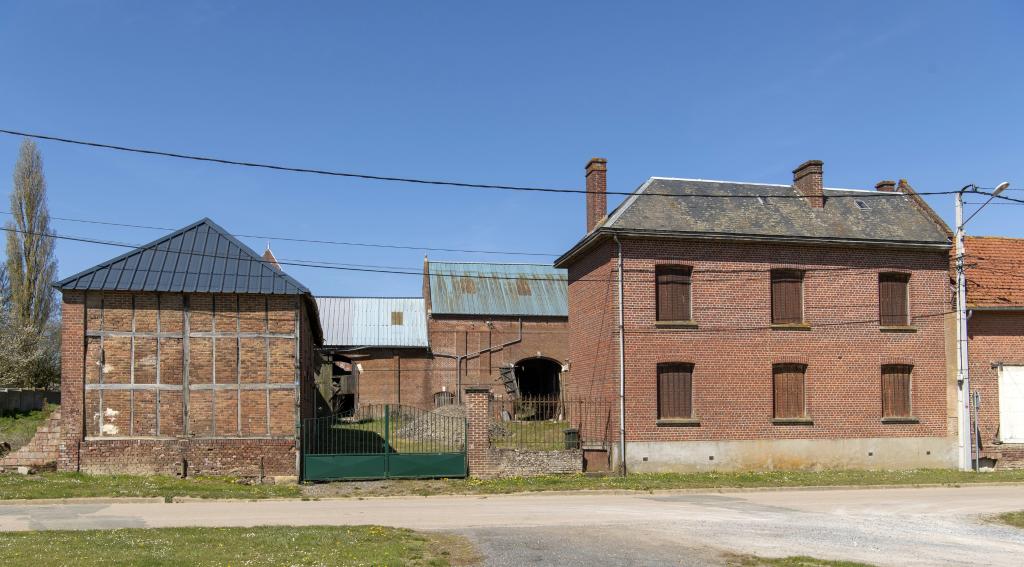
{"points": [[539, 388], [538, 378]]}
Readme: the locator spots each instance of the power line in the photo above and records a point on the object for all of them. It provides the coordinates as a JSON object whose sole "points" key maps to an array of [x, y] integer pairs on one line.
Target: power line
{"points": [[368, 268], [293, 169], [309, 240]]}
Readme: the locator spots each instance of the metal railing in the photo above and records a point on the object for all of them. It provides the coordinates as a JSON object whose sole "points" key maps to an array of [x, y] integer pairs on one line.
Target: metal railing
{"points": [[550, 424], [381, 428]]}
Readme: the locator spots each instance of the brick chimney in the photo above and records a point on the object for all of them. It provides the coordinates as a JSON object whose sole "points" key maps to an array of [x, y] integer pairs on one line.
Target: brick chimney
{"points": [[807, 179], [886, 185], [597, 196]]}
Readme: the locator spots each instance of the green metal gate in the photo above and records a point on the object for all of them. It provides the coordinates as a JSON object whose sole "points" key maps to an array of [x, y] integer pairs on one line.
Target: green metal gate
{"points": [[385, 441]]}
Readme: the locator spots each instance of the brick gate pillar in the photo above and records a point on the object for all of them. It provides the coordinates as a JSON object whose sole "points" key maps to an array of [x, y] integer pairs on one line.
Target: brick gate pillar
{"points": [[478, 436], [72, 378]]}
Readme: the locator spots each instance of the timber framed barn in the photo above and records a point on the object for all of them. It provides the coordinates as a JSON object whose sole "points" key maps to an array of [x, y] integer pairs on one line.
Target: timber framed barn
{"points": [[479, 324], [189, 355]]}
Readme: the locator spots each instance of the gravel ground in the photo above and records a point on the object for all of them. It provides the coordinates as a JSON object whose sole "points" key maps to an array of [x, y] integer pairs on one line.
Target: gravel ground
{"points": [[895, 526]]}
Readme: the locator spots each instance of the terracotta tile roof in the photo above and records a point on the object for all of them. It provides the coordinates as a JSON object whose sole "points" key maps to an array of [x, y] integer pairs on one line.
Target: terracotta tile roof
{"points": [[995, 271]]}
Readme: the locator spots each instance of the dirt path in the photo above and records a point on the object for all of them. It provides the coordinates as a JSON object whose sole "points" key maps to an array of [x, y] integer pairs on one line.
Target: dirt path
{"points": [[901, 526]]}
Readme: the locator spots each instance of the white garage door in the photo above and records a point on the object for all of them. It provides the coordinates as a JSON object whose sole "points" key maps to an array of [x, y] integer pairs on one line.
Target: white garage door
{"points": [[1011, 404]]}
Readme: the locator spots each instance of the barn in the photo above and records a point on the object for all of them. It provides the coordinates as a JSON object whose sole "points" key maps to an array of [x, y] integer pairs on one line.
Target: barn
{"points": [[188, 355]]}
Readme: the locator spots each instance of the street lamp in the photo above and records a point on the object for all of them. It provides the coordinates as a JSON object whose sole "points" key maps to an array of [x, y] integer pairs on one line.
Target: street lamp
{"points": [[962, 376]]}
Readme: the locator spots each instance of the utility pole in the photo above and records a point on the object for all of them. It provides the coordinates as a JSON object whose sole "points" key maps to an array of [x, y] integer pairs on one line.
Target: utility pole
{"points": [[963, 379], [963, 382]]}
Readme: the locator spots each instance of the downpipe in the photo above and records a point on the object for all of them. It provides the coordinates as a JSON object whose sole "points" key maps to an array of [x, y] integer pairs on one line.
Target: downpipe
{"points": [[622, 368]]}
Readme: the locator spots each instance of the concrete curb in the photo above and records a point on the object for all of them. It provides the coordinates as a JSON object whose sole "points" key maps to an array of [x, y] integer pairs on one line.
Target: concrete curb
{"points": [[669, 491], [582, 492], [83, 500]]}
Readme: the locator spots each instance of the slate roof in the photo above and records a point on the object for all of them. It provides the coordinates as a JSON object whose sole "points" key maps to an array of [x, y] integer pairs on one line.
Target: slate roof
{"points": [[995, 271], [368, 321], [893, 218], [477, 288], [199, 258]]}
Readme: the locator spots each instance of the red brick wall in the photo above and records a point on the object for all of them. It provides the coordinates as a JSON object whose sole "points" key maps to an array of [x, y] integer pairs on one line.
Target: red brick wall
{"points": [[72, 374], [395, 376], [993, 338], [242, 356], [733, 348], [546, 337]]}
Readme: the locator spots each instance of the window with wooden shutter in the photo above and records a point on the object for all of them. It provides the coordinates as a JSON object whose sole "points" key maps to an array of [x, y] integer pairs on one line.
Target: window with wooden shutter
{"points": [[675, 391], [896, 390], [788, 382], [893, 300], [787, 297], [673, 293]]}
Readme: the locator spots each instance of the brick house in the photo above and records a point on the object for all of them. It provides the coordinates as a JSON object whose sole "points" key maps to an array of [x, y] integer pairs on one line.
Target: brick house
{"points": [[480, 324], [188, 355], [765, 326], [994, 269]]}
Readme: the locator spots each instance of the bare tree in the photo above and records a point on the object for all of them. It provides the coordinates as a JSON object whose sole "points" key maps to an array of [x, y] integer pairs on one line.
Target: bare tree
{"points": [[31, 264]]}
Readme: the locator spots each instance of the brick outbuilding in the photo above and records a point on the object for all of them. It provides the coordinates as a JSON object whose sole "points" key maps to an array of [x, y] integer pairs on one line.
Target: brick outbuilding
{"points": [[188, 355], [479, 324], [994, 268], [764, 326]]}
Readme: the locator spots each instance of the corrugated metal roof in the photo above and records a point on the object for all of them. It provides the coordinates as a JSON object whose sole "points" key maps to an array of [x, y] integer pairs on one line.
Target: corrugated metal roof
{"points": [[369, 321], [476, 288], [200, 258]]}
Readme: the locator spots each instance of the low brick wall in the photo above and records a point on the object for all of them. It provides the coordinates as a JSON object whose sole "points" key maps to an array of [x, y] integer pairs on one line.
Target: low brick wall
{"points": [[42, 450], [517, 462], [250, 458]]}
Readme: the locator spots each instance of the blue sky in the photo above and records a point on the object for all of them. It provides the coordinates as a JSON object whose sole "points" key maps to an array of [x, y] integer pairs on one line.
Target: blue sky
{"points": [[519, 93]]}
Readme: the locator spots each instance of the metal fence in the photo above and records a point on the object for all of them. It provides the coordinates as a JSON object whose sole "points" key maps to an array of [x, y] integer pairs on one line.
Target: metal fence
{"points": [[550, 424], [380, 428], [26, 399]]}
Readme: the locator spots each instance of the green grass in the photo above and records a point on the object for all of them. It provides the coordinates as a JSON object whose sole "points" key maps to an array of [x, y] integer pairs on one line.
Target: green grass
{"points": [[261, 546], [1015, 519], [77, 485], [794, 561], [18, 428], [648, 482], [532, 435]]}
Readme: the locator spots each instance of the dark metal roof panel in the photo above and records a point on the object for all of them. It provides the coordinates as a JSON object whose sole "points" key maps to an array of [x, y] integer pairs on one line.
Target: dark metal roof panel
{"points": [[476, 288], [200, 258]]}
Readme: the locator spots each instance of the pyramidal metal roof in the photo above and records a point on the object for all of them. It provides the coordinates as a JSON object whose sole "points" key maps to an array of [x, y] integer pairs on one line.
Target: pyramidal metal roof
{"points": [[199, 258]]}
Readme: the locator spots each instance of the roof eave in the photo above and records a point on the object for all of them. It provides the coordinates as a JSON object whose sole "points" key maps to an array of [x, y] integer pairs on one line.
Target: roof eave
{"points": [[995, 307], [591, 239]]}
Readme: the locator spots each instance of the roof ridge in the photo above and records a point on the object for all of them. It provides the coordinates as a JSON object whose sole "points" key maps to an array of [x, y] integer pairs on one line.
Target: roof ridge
{"points": [[155, 246], [364, 297], [491, 263]]}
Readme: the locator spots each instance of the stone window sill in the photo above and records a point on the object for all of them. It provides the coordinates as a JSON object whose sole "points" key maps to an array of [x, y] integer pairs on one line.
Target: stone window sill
{"points": [[898, 329], [792, 421], [682, 422], [791, 326], [675, 324], [907, 419]]}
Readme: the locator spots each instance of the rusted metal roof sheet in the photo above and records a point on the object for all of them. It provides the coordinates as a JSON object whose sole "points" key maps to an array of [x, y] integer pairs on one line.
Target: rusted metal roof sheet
{"points": [[475, 288], [373, 321]]}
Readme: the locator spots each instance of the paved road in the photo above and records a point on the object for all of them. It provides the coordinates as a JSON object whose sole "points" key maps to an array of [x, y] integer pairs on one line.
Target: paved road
{"points": [[924, 526]]}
